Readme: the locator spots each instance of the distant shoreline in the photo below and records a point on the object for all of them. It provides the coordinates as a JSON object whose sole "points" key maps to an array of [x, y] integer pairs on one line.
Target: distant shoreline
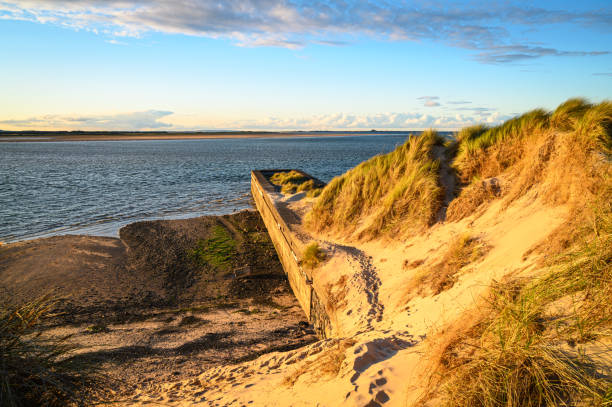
{"points": [[29, 136]]}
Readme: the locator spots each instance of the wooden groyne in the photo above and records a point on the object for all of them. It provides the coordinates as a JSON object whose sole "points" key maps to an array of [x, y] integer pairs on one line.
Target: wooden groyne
{"points": [[289, 249]]}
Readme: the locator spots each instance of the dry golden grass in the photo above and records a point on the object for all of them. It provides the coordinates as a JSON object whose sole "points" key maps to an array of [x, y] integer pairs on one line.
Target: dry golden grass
{"points": [[532, 343], [561, 151], [462, 250], [398, 191], [524, 355], [533, 347], [293, 181], [37, 371]]}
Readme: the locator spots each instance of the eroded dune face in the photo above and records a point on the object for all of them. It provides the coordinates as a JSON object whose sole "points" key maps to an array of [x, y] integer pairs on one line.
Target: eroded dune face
{"points": [[419, 306]]}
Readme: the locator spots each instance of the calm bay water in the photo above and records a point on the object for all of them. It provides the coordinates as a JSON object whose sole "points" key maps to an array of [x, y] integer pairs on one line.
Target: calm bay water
{"points": [[95, 187]]}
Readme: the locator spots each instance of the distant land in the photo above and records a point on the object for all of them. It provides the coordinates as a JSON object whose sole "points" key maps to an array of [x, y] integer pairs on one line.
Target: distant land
{"points": [[8, 136]]}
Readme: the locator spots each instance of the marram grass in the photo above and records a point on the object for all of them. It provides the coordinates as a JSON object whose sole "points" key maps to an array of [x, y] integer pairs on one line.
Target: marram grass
{"points": [[312, 256], [476, 146], [395, 191], [37, 371], [531, 353], [292, 182]]}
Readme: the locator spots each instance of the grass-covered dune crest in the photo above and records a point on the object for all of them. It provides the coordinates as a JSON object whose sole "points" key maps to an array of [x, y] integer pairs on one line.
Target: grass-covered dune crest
{"points": [[403, 191], [388, 192]]}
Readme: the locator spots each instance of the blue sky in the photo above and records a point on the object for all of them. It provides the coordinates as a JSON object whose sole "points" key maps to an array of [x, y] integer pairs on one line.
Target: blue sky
{"points": [[292, 65]]}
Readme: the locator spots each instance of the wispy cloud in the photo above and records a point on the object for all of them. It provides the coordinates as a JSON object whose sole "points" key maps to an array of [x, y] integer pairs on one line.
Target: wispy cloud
{"points": [[148, 120], [294, 23], [429, 101], [602, 74], [515, 53], [475, 109]]}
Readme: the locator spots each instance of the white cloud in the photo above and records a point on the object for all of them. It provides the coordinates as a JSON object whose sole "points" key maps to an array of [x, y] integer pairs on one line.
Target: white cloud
{"points": [[148, 120], [294, 24], [380, 121]]}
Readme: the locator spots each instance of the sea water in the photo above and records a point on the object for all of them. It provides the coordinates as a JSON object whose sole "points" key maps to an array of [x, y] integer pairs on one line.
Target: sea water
{"points": [[95, 187]]}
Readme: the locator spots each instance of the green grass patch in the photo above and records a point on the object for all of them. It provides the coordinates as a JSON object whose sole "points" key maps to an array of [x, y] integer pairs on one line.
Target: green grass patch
{"points": [[97, 328], [218, 250], [313, 256]]}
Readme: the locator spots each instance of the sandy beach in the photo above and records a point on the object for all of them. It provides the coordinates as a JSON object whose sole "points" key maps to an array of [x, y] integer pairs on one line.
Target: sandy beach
{"points": [[140, 310]]}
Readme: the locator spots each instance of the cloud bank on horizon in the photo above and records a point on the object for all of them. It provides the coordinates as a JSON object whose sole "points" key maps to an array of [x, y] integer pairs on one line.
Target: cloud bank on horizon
{"points": [[295, 24], [135, 121], [152, 120]]}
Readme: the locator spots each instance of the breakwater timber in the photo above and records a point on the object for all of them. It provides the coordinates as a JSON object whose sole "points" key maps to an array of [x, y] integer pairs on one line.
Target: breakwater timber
{"points": [[289, 248]]}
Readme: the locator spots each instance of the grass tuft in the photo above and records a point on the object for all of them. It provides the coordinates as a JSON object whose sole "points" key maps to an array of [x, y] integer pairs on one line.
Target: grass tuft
{"points": [[293, 181], [535, 347], [313, 256], [568, 113], [595, 127], [35, 371], [396, 191]]}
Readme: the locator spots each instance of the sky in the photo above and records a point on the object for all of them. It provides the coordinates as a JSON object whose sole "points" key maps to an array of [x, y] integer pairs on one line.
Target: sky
{"points": [[177, 65]]}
